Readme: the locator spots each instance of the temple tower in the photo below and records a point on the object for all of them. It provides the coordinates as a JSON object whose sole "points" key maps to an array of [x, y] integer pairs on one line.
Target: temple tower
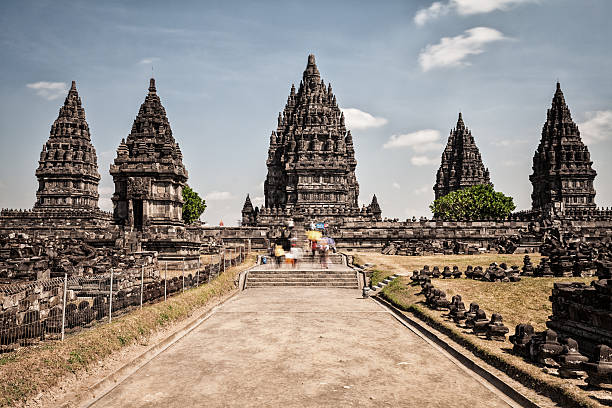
{"points": [[562, 174], [148, 172], [461, 164], [311, 159], [249, 214], [68, 167]]}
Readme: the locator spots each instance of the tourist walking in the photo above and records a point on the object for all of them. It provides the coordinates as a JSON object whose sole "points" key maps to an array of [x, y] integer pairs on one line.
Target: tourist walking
{"points": [[279, 254]]}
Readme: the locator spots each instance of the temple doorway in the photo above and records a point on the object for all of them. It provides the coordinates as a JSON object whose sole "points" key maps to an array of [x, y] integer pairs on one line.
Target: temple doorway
{"points": [[137, 205]]}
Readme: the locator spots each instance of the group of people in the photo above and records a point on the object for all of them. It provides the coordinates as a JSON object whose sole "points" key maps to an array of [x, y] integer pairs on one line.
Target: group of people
{"points": [[320, 246]]}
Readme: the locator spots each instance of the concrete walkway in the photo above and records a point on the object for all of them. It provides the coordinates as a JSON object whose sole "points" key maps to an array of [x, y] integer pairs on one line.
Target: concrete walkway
{"points": [[301, 347]]}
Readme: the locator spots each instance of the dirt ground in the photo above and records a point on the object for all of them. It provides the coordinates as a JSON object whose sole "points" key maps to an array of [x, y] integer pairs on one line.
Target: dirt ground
{"points": [[296, 347]]}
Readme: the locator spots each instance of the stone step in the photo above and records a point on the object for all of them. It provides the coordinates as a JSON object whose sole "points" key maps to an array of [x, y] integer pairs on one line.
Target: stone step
{"points": [[311, 275], [301, 280], [320, 283]]}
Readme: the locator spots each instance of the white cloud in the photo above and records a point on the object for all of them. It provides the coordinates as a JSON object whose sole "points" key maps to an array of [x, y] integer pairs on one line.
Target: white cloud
{"points": [[219, 195], [469, 7], [357, 119], [597, 127], [2, 185], [148, 60], [432, 12], [464, 8], [258, 201], [105, 202], [423, 161], [49, 90], [422, 190], [419, 140], [452, 51], [396, 185]]}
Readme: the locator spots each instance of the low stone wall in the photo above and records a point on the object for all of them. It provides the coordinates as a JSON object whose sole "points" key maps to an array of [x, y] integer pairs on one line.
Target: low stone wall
{"points": [[253, 237]]}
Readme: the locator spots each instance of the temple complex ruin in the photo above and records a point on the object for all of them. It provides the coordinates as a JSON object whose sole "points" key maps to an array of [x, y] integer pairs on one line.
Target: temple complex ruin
{"points": [[148, 171], [311, 160], [461, 164], [562, 176], [68, 167]]}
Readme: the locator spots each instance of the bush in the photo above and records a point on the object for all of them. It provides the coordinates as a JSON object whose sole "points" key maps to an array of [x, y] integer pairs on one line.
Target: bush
{"points": [[193, 205], [473, 203]]}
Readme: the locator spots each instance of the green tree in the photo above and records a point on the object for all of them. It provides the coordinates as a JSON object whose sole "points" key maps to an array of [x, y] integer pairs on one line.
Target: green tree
{"points": [[193, 205], [473, 203]]}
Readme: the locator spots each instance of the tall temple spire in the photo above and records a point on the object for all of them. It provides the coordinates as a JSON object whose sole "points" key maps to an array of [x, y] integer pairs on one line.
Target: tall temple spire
{"points": [[461, 165], [562, 173], [374, 208], [311, 159], [68, 166], [148, 172], [248, 212]]}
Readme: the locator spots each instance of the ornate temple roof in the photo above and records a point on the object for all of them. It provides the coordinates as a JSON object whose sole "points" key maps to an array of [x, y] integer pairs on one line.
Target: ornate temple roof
{"points": [[461, 164], [562, 166], [68, 168], [311, 147], [150, 146]]}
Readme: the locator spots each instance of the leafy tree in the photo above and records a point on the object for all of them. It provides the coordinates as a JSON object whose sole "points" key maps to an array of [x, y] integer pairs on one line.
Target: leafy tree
{"points": [[473, 203], [193, 205]]}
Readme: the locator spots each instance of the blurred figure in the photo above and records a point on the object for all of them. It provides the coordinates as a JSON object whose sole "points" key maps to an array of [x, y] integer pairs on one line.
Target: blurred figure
{"points": [[296, 255], [279, 254]]}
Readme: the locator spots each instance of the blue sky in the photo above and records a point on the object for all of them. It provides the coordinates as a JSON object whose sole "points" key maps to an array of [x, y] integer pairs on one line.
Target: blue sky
{"points": [[401, 70]]}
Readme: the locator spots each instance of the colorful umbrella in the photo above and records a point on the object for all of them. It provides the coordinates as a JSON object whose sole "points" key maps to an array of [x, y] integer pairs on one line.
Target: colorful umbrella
{"points": [[314, 235]]}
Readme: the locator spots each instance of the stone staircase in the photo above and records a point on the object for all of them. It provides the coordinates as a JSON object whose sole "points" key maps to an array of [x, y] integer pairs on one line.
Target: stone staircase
{"points": [[307, 274]]}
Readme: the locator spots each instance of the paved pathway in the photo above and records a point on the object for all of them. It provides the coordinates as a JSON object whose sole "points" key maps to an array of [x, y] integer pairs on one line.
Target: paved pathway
{"points": [[301, 347]]}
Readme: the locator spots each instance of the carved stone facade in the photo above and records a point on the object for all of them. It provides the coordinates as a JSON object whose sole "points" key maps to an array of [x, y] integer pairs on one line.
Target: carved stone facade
{"points": [[148, 172], [249, 215], [461, 164], [68, 168], [562, 176], [311, 160]]}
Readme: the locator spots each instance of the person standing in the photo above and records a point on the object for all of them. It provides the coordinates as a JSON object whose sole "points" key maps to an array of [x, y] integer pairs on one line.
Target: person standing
{"points": [[279, 254]]}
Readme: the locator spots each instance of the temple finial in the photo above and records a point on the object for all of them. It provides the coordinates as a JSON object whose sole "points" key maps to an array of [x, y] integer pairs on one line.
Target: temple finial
{"points": [[73, 86], [152, 85]]}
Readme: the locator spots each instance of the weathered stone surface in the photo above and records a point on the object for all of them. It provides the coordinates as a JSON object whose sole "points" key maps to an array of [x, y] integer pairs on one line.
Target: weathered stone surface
{"points": [[522, 339], [562, 176], [148, 171], [461, 164], [68, 167], [496, 330]]}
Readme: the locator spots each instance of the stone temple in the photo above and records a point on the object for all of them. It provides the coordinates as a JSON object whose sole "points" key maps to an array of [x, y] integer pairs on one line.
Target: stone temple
{"points": [[148, 172], [461, 164], [311, 159], [562, 176], [68, 169]]}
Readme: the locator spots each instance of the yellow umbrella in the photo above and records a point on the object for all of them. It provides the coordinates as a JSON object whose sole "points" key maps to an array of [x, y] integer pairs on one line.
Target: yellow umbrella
{"points": [[314, 235]]}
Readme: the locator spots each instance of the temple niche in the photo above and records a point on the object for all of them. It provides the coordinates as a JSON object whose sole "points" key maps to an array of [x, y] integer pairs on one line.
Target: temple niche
{"points": [[461, 164], [311, 159], [148, 172], [562, 176], [68, 168]]}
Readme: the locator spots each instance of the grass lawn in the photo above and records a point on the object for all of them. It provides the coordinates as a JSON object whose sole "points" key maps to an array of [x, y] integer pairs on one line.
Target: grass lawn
{"points": [[518, 302], [386, 265]]}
